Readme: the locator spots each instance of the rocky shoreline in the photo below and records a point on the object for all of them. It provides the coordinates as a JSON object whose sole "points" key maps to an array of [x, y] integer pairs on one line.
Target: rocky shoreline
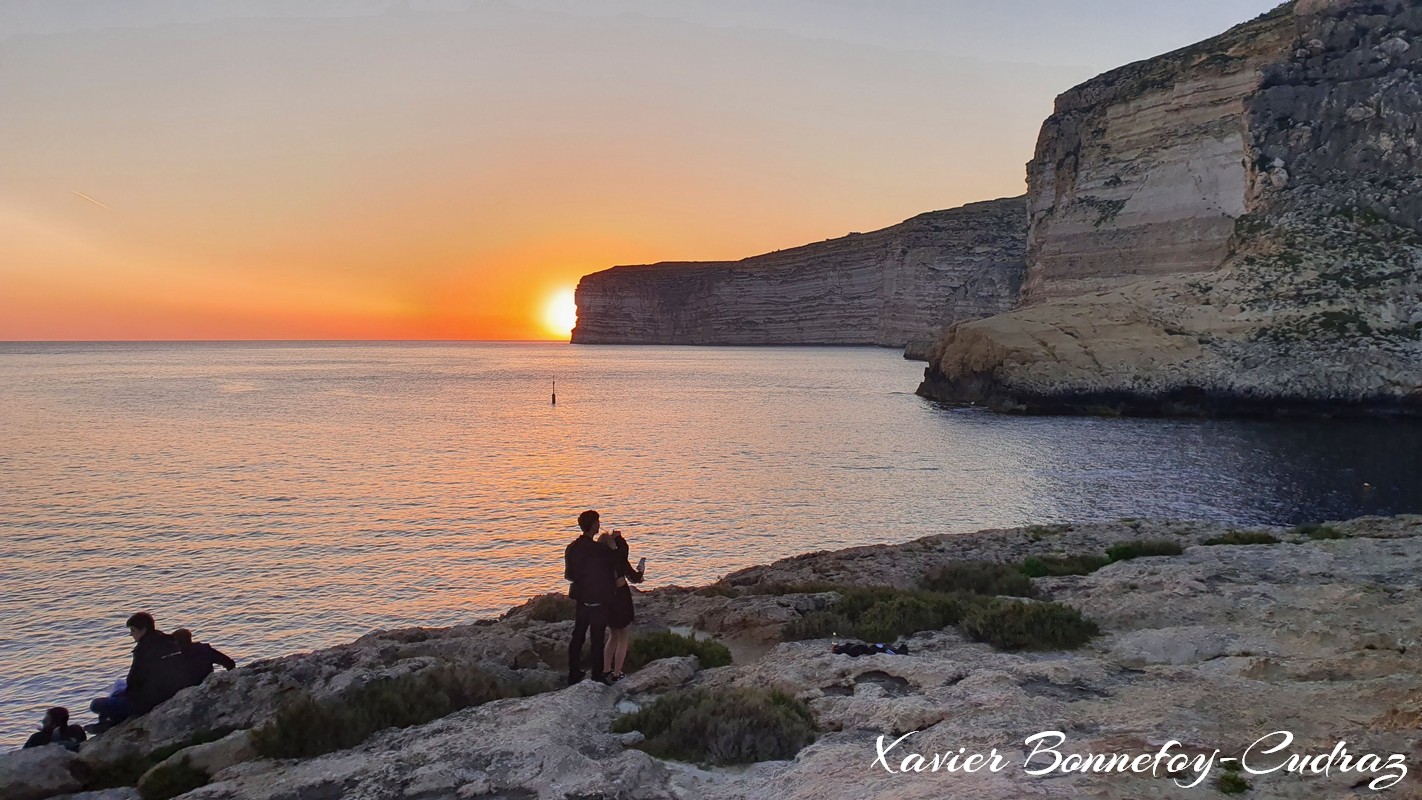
{"points": [[1316, 634]]}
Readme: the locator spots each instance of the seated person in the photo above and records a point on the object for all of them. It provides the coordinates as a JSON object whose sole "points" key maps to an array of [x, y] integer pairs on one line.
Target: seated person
{"points": [[159, 668], [55, 729], [201, 657]]}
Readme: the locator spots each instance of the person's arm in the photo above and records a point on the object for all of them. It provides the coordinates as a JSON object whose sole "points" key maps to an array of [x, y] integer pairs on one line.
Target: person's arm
{"points": [[628, 571], [37, 739], [218, 657]]}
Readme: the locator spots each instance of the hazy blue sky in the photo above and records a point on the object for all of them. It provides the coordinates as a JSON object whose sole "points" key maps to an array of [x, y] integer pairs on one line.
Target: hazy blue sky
{"points": [[441, 168]]}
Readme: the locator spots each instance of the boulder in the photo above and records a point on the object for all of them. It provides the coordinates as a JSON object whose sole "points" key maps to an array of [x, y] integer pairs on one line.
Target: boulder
{"points": [[36, 773]]}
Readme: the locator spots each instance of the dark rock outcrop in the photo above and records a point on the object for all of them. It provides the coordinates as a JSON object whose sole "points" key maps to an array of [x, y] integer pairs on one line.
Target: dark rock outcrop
{"points": [[893, 287]]}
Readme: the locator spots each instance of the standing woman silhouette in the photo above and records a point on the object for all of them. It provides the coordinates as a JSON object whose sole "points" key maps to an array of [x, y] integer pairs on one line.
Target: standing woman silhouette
{"points": [[620, 614]]}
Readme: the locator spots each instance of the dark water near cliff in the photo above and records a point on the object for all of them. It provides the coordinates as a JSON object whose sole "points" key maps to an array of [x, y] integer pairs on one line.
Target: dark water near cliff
{"points": [[280, 497]]}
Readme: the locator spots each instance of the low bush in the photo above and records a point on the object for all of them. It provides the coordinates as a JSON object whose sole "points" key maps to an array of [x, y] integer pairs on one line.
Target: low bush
{"points": [[1125, 551], [1230, 782], [978, 577], [307, 727], [126, 772], [1016, 625], [552, 608], [1054, 566], [170, 780], [816, 625], [877, 614], [1243, 537], [722, 726], [1317, 531], [648, 647]]}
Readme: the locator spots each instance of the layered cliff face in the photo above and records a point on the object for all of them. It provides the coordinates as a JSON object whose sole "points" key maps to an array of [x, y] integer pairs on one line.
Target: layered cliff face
{"points": [[893, 287], [1141, 171], [1302, 293]]}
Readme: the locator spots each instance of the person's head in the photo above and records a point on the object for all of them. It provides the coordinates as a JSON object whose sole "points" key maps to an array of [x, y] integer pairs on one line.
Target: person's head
{"points": [[140, 624], [56, 717], [589, 522], [184, 636]]}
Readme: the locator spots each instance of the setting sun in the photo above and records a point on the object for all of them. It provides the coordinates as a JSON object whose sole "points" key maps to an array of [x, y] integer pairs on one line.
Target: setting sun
{"points": [[560, 313]]}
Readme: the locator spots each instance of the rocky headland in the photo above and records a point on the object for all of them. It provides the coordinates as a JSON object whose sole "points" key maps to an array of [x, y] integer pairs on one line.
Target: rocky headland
{"points": [[1229, 637], [1232, 228], [893, 287]]}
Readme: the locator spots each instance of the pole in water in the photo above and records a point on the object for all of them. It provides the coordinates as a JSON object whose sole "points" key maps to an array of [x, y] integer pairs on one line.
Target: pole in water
{"points": [[555, 391]]}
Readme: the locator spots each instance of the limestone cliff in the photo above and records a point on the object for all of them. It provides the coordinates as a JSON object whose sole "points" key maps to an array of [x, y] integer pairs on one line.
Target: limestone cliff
{"points": [[1231, 228], [892, 287]]}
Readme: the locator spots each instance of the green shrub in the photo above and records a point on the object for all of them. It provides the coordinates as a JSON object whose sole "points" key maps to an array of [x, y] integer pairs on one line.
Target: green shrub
{"points": [[722, 726], [307, 727], [1243, 537], [1316, 531], [1125, 551], [1232, 783], [648, 647], [978, 577], [552, 608], [877, 614], [170, 780], [887, 620], [1053, 566], [127, 771], [816, 625], [718, 590], [1015, 625]]}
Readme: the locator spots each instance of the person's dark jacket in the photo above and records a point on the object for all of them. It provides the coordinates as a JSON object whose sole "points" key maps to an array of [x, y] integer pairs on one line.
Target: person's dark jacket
{"points": [[590, 566], [69, 736], [202, 657], [160, 670]]}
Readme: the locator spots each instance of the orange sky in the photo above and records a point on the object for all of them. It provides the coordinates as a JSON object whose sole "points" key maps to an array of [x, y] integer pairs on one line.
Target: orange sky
{"points": [[442, 174]]}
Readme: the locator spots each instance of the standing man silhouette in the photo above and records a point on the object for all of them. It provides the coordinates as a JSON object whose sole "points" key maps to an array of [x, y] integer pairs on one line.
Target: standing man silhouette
{"points": [[591, 568]]}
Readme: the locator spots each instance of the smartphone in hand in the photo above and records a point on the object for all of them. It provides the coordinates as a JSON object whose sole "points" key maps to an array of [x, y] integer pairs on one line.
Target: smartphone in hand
{"points": [[642, 564]]}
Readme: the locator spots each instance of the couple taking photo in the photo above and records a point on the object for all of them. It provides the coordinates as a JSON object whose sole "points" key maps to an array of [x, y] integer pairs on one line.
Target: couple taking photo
{"points": [[598, 567]]}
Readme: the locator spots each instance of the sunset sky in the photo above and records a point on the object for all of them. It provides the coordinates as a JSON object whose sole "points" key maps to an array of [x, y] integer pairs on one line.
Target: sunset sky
{"points": [[445, 169]]}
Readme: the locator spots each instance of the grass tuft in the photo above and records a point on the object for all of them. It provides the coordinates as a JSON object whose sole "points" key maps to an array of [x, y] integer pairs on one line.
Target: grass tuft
{"points": [[1232, 783], [978, 577], [1015, 625], [877, 614], [648, 647], [551, 608], [1125, 551], [722, 726], [1243, 537], [1318, 531], [307, 727], [1053, 566], [169, 781]]}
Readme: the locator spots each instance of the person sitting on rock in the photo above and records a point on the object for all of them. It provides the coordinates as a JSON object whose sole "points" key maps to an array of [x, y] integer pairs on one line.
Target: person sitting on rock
{"points": [[55, 729], [160, 669], [201, 657]]}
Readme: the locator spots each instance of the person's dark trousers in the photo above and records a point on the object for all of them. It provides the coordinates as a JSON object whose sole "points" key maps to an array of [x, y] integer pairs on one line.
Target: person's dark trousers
{"points": [[111, 710], [594, 617]]}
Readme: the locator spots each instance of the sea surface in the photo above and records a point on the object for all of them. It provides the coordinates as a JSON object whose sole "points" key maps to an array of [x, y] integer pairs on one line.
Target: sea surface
{"points": [[279, 497]]}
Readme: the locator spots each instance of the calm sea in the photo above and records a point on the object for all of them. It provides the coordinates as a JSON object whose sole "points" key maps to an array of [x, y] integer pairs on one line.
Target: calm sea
{"points": [[282, 497]]}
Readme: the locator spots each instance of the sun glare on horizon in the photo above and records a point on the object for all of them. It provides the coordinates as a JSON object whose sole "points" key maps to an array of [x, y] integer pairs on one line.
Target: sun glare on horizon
{"points": [[560, 313]]}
